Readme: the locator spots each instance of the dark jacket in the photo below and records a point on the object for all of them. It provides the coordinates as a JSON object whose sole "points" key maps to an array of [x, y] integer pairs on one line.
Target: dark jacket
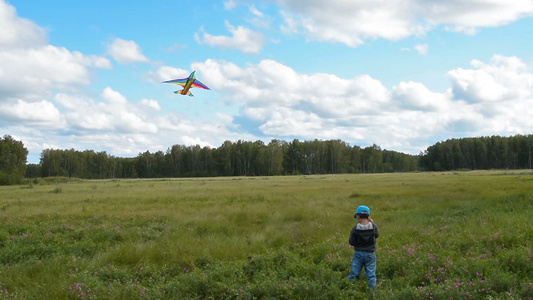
{"points": [[363, 237]]}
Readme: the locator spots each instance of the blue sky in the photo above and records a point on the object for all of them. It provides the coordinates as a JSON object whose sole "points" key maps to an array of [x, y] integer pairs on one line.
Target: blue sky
{"points": [[400, 74]]}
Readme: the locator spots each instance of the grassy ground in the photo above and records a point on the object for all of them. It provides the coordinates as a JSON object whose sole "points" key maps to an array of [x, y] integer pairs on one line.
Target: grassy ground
{"points": [[442, 235]]}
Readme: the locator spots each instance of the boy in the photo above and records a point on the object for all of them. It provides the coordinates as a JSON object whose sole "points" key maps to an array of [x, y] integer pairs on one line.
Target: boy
{"points": [[363, 239]]}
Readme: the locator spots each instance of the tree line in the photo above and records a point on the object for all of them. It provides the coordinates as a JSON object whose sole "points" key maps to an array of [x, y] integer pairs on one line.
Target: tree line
{"points": [[244, 158], [240, 158], [481, 153]]}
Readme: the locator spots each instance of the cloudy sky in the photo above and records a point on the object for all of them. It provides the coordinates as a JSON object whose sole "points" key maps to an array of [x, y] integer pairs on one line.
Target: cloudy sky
{"points": [[402, 74]]}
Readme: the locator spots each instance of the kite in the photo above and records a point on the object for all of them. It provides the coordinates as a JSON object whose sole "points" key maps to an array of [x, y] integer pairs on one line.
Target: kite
{"points": [[187, 83]]}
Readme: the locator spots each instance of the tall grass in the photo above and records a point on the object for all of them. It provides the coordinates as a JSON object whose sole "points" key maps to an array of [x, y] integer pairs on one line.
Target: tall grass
{"points": [[442, 235]]}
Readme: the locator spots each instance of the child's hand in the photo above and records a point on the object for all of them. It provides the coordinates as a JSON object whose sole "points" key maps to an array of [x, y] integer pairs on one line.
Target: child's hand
{"points": [[370, 219]]}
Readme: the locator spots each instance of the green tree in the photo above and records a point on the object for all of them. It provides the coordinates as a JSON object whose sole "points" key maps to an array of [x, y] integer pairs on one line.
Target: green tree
{"points": [[372, 159], [223, 156], [174, 161], [354, 159], [145, 165], [13, 157], [293, 159], [33, 171], [273, 157]]}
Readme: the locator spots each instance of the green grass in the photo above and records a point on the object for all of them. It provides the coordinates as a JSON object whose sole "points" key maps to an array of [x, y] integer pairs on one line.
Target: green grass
{"points": [[460, 235]]}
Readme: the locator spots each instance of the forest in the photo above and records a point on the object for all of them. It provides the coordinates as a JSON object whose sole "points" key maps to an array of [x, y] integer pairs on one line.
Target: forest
{"points": [[481, 153], [245, 158], [241, 158]]}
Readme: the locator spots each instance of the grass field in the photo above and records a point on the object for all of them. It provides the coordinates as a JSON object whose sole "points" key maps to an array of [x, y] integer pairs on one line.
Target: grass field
{"points": [[456, 235]]}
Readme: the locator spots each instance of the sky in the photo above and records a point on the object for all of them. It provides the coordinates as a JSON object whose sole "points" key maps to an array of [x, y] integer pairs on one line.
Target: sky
{"points": [[400, 74]]}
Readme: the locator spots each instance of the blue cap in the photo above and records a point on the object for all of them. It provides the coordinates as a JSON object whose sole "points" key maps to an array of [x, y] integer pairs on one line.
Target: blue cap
{"points": [[362, 209]]}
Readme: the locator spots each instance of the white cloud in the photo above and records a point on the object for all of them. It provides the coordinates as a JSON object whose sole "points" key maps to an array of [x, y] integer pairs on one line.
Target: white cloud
{"points": [[271, 84], [35, 72], [225, 117], [291, 23], [502, 79], [42, 113], [115, 114], [286, 121], [499, 93], [150, 103], [282, 100], [176, 47], [243, 39], [422, 48], [255, 11], [468, 16], [353, 22], [229, 5], [414, 95], [259, 20], [126, 52], [350, 22], [205, 133], [18, 32], [187, 140], [114, 97], [164, 73], [30, 68]]}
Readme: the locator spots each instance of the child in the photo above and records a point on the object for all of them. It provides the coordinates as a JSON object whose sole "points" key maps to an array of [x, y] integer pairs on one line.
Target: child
{"points": [[363, 239]]}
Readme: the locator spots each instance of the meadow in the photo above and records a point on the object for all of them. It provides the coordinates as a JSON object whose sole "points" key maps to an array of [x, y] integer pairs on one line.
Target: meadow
{"points": [[451, 235]]}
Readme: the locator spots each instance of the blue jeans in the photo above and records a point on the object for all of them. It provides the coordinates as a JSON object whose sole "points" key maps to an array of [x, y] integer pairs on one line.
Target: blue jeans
{"points": [[364, 259]]}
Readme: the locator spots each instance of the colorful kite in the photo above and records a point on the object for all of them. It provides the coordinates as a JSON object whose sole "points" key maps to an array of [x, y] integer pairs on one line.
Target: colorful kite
{"points": [[187, 83]]}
